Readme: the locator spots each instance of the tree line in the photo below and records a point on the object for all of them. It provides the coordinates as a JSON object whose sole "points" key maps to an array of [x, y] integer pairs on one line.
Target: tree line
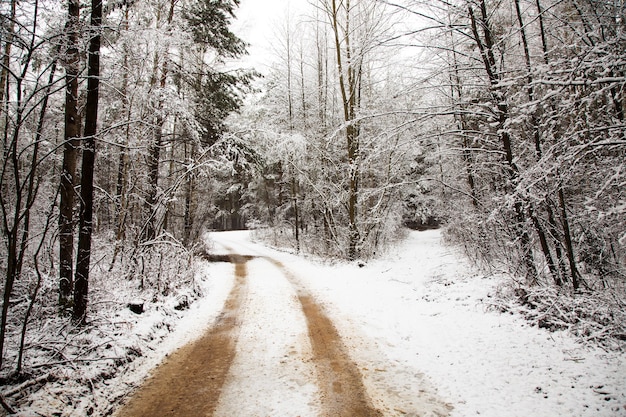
{"points": [[504, 120]]}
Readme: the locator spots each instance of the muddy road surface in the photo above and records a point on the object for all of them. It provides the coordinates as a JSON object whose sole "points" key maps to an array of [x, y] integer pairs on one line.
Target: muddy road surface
{"points": [[189, 382], [273, 351]]}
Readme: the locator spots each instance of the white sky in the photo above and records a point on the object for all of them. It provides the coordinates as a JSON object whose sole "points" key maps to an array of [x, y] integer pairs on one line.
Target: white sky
{"points": [[256, 24]]}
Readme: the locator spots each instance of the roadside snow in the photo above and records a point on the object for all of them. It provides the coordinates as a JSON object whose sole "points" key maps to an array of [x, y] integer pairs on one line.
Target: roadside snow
{"points": [[120, 347]]}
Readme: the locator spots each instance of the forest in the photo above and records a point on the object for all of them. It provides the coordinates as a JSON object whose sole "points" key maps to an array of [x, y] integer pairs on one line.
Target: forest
{"points": [[129, 128]]}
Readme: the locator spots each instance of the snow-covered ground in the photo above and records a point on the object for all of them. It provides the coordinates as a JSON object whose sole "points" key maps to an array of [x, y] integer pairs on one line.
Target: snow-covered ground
{"points": [[417, 323], [419, 320]]}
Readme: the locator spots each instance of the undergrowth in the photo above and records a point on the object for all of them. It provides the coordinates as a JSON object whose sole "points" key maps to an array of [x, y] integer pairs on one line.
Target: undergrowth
{"points": [[595, 318], [66, 367]]}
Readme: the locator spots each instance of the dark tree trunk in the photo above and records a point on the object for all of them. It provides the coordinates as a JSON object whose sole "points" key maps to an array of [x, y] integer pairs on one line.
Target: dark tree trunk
{"points": [[350, 87], [121, 188], [353, 150], [70, 156], [6, 57], [189, 201], [296, 210], [568, 241], [154, 155], [545, 248], [81, 288]]}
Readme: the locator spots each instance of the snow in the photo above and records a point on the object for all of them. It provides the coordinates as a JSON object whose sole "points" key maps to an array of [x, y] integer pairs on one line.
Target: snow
{"points": [[416, 322], [419, 320], [272, 368]]}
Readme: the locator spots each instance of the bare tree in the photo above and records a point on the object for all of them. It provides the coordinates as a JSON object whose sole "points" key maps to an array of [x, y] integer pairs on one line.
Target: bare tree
{"points": [[349, 62], [21, 165]]}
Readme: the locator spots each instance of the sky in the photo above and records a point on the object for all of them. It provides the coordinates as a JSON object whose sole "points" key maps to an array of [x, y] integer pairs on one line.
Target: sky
{"points": [[256, 24]]}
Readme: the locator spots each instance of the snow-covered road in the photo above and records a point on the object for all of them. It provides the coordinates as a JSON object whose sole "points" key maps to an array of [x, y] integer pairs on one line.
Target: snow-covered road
{"points": [[416, 327], [392, 389], [272, 369]]}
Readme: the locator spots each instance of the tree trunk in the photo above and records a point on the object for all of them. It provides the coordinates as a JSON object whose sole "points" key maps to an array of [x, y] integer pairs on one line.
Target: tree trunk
{"points": [[154, 155], [545, 248], [457, 94], [154, 149], [322, 79], [121, 188], [30, 200], [296, 210], [81, 287], [16, 215], [568, 241], [353, 166], [569, 249], [6, 58], [289, 77], [189, 200], [302, 89], [350, 88], [70, 156], [534, 121]]}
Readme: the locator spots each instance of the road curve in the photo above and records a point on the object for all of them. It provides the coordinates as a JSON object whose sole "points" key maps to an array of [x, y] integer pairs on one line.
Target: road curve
{"points": [[273, 351]]}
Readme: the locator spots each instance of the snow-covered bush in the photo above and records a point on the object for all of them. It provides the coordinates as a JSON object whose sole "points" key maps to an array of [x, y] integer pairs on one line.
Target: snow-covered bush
{"points": [[65, 365], [597, 318]]}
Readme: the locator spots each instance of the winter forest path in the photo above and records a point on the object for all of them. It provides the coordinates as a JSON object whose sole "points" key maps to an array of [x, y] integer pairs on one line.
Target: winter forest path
{"points": [[272, 348]]}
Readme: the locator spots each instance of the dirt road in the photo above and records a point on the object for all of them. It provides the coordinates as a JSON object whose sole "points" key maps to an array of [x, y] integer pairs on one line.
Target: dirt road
{"points": [[274, 351], [190, 382]]}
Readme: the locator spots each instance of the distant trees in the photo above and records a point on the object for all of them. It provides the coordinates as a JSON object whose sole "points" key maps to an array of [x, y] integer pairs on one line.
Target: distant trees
{"points": [[189, 98], [336, 130], [513, 129]]}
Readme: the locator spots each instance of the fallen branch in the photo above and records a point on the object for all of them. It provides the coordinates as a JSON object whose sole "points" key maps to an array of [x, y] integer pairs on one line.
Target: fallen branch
{"points": [[69, 361], [6, 406], [29, 383]]}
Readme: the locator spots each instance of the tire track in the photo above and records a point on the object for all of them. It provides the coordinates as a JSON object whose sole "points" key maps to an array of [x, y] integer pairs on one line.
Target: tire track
{"points": [[340, 382], [190, 381], [273, 373]]}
